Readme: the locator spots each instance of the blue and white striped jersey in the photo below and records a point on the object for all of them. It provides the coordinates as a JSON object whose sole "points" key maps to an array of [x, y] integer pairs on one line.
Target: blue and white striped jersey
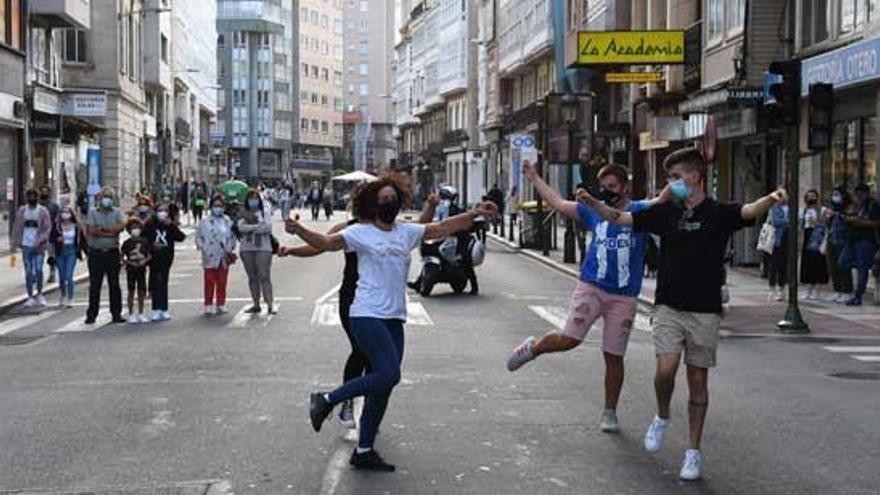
{"points": [[616, 259]]}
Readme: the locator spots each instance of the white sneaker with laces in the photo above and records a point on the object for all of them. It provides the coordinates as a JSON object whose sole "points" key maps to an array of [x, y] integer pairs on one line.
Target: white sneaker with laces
{"points": [[521, 355], [142, 318], [690, 467], [655, 433], [609, 422], [42, 301], [166, 315], [30, 302], [133, 319], [209, 310], [157, 316]]}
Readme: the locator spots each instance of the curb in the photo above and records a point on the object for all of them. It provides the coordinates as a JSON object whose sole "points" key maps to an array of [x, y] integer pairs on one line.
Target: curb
{"points": [[13, 302], [564, 269]]}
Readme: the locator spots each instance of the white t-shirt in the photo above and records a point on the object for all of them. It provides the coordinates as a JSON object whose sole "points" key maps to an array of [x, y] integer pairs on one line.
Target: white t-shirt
{"points": [[29, 234], [383, 267]]}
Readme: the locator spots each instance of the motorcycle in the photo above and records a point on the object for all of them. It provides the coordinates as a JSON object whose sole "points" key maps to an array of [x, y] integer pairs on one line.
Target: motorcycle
{"points": [[452, 261]]}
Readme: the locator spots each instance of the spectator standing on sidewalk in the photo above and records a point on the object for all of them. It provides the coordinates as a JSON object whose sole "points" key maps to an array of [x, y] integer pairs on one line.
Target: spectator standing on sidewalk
{"points": [[512, 208], [863, 238], [255, 228], [778, 218], [198, 204], [315, 198], [103, 226], [327, 201], [137, 253], [216, 240], [162, 233], [30, 233], [497, 196], [51, 255], [814, 269], [841, 276], [69, 241]]}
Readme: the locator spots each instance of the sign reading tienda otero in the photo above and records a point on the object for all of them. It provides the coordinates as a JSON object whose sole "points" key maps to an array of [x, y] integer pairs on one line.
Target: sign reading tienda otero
{"points": [[630, 47]]}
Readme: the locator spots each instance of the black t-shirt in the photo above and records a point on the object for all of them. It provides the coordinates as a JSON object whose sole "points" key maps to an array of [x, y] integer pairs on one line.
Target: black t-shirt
{"points": [[162, 239], [349, 275], [870, 211], [135, 250], [691, 258]]}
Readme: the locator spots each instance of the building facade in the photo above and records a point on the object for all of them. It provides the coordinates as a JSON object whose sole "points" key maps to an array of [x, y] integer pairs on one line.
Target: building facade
{"points": [[13, 45]]}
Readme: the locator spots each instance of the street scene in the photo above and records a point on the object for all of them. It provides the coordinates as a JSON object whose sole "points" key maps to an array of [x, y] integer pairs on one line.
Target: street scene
{"points": [[439, 246]]}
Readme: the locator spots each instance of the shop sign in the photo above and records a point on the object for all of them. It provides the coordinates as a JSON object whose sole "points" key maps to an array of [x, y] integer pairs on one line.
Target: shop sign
{"points": [[46, 126], [633, 77], [647, 142], [630, 47], [522, 148], [47, 101], [85, 104], [847, 66], [736, 123]]}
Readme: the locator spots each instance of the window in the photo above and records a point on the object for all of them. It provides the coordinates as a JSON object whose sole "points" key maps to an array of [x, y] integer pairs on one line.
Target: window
{"points": [[221, 41], [164, 48], [364, 90], [736, 14], [364, 6], [364, 47], [11, 15], [305, 70], [304, 97], [304, 125], [315, 71], [314, 125], [325, 127], [852, 15], [814, 22], [314, 98], [324, 100], [313, 16], [714, 20], [74, 45], [325, 74], [364, 68], [325, 21]]}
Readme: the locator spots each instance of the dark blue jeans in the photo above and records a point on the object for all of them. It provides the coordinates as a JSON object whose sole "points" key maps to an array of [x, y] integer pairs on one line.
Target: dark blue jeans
{"points": [[66, 263], [381, 341], [33, 269], [863, 254]]}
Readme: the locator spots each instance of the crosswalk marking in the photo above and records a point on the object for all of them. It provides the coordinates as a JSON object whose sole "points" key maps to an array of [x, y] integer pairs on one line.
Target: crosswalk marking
{"points": [[852, 349], [554, 315], [14, 324], [79, 325], [868, 359], [200, 300], [863, 353], [327, 315]]}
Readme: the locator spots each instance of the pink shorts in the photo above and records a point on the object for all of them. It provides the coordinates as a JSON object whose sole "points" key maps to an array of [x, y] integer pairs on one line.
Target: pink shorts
{"points": [[588, 303]]}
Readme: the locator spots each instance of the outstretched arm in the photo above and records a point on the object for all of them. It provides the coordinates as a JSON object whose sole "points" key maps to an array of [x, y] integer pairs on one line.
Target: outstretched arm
{"points": [[761, 206], [550, 195], [615, 216], [460, 222], [310, 251], [324, 242]]}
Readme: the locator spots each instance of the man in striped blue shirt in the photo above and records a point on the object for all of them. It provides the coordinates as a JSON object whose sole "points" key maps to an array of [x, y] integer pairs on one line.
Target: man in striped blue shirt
{"points": [[611, 279]]}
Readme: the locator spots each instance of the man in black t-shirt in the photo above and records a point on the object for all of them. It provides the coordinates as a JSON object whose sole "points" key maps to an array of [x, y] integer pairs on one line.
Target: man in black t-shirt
{"points": [[694, 232], [862, 237]]}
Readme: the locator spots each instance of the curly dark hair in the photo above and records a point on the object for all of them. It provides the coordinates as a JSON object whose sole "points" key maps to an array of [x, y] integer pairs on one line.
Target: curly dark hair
{"points": [[365, 199]]}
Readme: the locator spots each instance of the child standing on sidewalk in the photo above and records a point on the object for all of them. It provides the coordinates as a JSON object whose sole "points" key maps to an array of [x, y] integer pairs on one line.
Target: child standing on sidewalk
{"points": [[136, 253], [162, 232], [216, 241]]}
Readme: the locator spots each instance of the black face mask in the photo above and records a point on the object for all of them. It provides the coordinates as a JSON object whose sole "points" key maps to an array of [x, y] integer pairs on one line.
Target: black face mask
{"points": [[812, 201], [608, 197], [387, 212], [44, 197], [32, 201]]}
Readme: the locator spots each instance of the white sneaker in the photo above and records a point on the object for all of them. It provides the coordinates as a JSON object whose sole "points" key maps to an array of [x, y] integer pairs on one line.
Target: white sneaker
{"points": [[655, 433], [210, 310], [690, 467], [521, 355], [30, 302], [142, 318], [609, 422], [157, 316], [166, 316], [222, 309], [42, 301], [70, 303], [61, 302], [133, 319]]}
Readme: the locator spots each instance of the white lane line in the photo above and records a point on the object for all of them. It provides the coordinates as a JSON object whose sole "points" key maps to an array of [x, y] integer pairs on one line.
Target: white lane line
{"points": [[867, 359], [327, 315], [14, 324], [79, 325], [417, 315], [852, 349], [330, 293], [554, 315]]}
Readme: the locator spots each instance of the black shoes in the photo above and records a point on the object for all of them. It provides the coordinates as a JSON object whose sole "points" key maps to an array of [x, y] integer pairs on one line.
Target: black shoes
{"points": [[255, 309], [319, 409], [90, 321], [118, 319], [370, 461]]}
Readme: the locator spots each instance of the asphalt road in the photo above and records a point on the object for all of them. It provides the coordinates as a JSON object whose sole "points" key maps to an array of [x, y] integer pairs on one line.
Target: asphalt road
{"points": [[211, 400]]}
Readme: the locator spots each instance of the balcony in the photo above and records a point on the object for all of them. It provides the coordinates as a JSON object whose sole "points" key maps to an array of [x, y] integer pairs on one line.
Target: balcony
{"points": [[182, 132], [62, 13]]}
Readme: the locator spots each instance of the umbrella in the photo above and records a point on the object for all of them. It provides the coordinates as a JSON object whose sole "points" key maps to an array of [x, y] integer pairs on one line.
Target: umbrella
{"points": [[234, 190], [356, 176]]}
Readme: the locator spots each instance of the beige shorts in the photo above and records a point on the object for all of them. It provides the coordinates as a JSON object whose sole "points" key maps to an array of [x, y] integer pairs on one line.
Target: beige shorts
{"points": [[694, 333]]}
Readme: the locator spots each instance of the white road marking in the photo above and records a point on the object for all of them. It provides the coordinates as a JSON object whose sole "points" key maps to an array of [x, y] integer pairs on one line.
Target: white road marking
{"points": [[330, 293], [200, 300], [327, 315], [14, 324], [868, 359], [554, 315], [79, 324], [852, 349]]}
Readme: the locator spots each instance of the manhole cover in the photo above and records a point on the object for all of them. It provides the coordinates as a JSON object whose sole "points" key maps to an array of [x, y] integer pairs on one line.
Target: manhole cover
{"points": [[19, 340], [857, 375]]}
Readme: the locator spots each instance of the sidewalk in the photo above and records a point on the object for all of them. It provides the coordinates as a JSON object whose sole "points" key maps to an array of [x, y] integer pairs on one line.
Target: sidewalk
{"points": [[749, 311]]}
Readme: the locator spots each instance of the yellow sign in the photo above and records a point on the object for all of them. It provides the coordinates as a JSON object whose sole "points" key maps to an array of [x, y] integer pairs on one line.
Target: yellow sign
{"points": [[633, 77], [630, 47]]}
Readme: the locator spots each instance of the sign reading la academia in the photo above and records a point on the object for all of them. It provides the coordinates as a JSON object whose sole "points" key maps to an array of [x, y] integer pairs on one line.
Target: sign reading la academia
{"points": [[630, 47]]}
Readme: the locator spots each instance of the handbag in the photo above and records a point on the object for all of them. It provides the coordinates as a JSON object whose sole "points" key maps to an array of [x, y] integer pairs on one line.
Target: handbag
{"points": [[767, 238], [823, 247]]}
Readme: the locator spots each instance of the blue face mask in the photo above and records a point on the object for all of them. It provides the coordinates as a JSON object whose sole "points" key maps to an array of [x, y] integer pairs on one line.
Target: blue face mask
{"points": [[253, 204], [106, 202], [217, 211], [679, 189]]}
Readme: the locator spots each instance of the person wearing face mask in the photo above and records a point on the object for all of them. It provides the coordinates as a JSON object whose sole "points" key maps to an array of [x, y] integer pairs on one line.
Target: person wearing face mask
{"points": [[378, 313], [814, 269], [694, 231], [137, 253], [610, 281], [30, 233], [216, 241], [51, 256], [863, 239], [143, 210], [255, 228], [778, 273], [841, 277], [69, 246], [162, 233], [103, 226]]}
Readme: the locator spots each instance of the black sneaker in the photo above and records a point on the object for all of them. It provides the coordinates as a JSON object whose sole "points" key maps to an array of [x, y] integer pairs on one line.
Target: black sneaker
{"points": [[119, 319], [253, 310], [370, 461], [319, 409], [90, 321]]}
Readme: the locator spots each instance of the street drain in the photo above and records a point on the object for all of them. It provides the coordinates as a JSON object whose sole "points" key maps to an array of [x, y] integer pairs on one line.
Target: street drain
{"points": [[857, 375], [19, 340]]}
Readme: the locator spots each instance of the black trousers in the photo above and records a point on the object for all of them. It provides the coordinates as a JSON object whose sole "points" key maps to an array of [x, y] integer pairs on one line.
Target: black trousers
{"points": [[316, 210], [101, 264], [159, 273], [356, 364]]}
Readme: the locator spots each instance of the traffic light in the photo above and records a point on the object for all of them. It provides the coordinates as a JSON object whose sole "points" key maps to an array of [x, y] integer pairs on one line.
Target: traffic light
{"points": [[821, 110], [786, 92]]}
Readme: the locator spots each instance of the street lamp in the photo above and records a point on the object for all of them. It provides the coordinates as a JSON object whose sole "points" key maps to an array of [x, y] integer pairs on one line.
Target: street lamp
{"points": [[465, 139], [569, 110]]}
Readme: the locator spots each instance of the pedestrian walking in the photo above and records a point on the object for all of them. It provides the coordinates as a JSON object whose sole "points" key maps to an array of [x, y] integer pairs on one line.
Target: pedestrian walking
{"points": [[103, 226], [162, 232], [863, 239], [610, 281], [327, 201], [255, 230], [694, 231], [137, 253], [51, 256], [378, 312], [30, 234], [69, 240], [198, 204], [814, 268], [216, 241], [284, 199], [315, 199], [841, 276], [512, 209], [778, 273], [497, 196]]}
